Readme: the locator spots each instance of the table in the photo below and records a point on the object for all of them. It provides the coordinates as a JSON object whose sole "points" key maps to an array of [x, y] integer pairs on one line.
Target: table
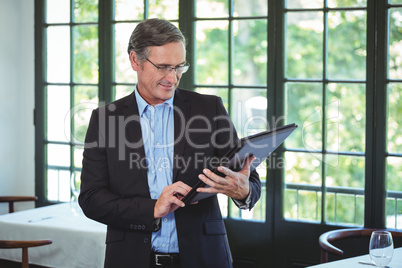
{"points": [[77, 240], [354, 262]]}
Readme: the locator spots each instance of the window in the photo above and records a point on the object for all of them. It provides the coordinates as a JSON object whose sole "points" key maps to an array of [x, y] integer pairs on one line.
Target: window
{"points": [[71, 84], [316, 63], [327, 84], [393, 115], [231, 47], [325, 94], [70, 90]]}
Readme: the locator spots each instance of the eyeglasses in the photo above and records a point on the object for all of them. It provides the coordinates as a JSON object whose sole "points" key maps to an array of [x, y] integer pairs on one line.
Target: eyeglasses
{"points": [[165, 70]]}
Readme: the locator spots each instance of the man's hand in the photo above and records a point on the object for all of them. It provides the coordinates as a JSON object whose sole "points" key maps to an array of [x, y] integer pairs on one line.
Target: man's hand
{"points": [[170, 199], [235, 184]]}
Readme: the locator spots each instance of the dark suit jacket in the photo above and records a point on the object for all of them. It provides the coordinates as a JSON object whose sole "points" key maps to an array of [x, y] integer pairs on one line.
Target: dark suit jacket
{"points": [[114, 187]]}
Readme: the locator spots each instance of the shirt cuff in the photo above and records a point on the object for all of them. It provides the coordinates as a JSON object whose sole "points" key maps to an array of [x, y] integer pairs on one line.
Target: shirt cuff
{"points": [[157, 225], [246, 203]]}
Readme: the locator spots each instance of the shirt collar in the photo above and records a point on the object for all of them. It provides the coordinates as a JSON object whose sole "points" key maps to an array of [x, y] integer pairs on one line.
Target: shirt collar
{"points": [[142, 104]]}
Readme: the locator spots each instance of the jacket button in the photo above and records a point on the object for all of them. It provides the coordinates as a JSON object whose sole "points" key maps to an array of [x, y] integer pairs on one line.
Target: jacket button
{"points": [[146, 240], [143, 227], [131, 226]]}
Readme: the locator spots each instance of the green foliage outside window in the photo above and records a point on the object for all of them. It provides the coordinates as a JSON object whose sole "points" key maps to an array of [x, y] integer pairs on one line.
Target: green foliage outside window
{"points": [[342, 111]]}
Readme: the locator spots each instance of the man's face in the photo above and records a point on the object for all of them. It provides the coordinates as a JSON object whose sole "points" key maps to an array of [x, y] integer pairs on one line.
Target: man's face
{"points": [[153, 86]]}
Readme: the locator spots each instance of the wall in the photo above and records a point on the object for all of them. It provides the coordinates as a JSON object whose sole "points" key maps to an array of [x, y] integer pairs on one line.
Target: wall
{"points": [[17, 162]]}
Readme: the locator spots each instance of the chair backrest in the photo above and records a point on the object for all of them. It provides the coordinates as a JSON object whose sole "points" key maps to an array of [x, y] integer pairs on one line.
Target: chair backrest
{"points": [[11, 199], [24, 245], [326, 239]]}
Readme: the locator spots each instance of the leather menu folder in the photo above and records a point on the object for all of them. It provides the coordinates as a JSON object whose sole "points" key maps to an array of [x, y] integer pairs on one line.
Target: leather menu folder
{"points": [[260, 145]]}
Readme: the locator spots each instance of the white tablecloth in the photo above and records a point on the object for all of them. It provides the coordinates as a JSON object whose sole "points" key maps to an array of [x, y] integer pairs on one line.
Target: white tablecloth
{"points": [[77, 240], [396, 262]]}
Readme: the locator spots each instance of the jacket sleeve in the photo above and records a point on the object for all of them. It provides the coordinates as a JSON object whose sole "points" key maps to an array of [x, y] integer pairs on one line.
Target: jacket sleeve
{"points": [[97, 198]]}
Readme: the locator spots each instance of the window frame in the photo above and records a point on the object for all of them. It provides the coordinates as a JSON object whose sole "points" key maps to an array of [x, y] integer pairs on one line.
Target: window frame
{"points": [[323, 82], [41, 89]]}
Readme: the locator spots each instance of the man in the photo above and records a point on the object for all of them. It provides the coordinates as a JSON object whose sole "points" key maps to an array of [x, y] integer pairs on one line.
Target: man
{"points": [[144, 152]]}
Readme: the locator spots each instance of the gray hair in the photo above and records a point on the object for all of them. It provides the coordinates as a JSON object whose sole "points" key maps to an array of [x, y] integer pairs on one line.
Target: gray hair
{"points": [[153, 32]]}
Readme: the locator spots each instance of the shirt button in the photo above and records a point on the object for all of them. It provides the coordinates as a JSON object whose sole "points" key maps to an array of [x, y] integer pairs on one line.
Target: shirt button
{"points": [[163, 245], [160, 169], [165, 220], [158, 144]]}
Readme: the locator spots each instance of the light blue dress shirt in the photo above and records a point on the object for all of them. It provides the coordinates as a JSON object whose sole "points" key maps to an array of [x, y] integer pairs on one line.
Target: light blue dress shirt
{"points": [[157, 126]]}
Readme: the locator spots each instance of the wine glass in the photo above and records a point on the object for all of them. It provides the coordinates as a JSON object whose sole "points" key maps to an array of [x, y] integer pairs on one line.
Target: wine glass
{"points": [[381, 248], [75, 185], [75, 190]]}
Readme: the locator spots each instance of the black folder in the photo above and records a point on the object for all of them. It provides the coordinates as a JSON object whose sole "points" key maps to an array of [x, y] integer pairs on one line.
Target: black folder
{"points": [[260, 145]]}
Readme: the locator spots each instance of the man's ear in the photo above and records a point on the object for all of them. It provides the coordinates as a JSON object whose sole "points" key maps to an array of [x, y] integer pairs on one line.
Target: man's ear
{"points": [[135, 63]]}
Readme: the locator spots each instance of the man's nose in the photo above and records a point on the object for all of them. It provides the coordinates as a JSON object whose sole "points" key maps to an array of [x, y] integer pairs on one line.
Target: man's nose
{"points": [[172, 77]]}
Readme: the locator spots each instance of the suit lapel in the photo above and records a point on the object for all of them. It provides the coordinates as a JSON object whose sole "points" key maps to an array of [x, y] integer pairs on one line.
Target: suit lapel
{"points": [[181, 113], [132, 129]]}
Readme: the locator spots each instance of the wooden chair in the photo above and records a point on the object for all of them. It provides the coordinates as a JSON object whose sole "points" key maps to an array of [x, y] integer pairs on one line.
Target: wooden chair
{"points": [[11, 199], [326, 239], [24, 245]]}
